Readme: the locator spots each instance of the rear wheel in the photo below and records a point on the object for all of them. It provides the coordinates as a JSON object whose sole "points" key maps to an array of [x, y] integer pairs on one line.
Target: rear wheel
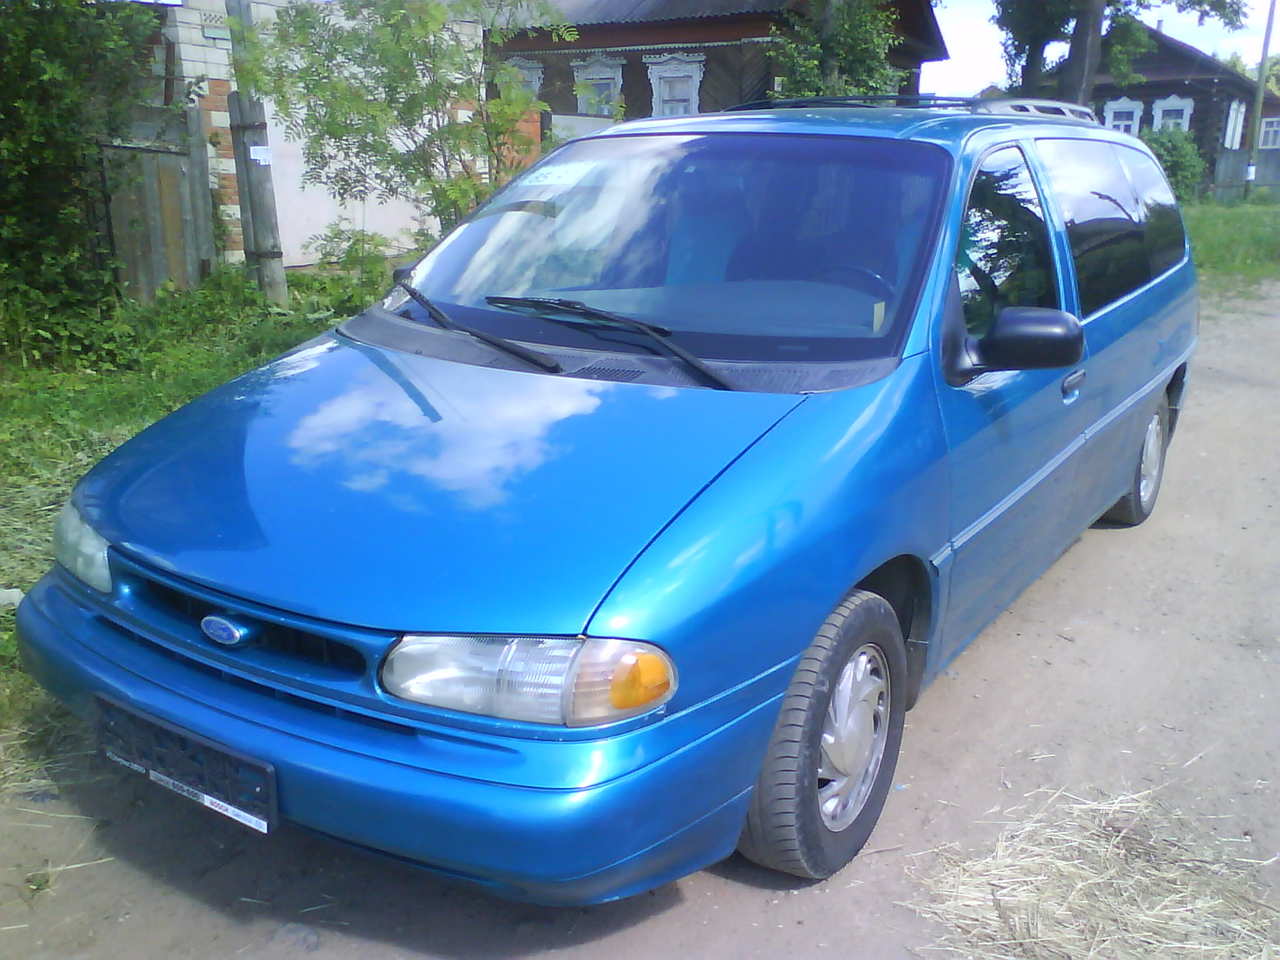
{"points": [[1138, 504], [835, 746]]}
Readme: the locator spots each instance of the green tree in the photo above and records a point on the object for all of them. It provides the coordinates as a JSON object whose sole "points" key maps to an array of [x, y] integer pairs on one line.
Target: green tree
{"points": [[1075, 80], [1126, 40], [1031, 25], [1029, 28], [73, 72], [836, 48], [399, 98]]}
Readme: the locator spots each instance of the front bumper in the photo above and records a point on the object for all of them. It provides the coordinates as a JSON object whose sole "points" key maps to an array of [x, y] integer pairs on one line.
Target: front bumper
{"points": [[571, 844]]}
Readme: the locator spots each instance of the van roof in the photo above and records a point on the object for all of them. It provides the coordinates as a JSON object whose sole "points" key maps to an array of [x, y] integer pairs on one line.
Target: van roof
{"points": [[949, 126]]}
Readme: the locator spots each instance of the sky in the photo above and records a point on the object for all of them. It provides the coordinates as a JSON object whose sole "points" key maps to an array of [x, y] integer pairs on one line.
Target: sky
{"points": [[974, 42]]}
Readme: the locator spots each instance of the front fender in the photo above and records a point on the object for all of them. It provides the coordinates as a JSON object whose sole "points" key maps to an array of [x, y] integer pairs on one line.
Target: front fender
{"points": [[738, 584]]}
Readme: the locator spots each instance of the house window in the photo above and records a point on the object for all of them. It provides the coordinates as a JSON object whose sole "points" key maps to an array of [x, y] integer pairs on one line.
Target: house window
{"points": [[1234, 129], [530, 73], [1123, 114], [1173, 111], [1270, 133], [598, 83], [675, 79]]}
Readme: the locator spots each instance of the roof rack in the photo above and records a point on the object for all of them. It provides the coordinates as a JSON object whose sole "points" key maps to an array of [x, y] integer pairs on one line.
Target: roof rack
{"points": [[1054, 108], [1022, 106]]}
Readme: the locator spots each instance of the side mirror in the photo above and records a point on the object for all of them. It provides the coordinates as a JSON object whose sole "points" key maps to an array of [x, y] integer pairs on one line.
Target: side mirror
{"points": [[404, 273], [1024, 338]]}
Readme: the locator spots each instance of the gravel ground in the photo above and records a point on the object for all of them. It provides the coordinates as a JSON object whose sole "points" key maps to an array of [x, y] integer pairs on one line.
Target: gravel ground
{"points": [[1145, 657]]}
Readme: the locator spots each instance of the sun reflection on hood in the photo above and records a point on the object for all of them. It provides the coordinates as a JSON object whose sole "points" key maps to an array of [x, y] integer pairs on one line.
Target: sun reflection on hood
{"points": [[393, 420]]}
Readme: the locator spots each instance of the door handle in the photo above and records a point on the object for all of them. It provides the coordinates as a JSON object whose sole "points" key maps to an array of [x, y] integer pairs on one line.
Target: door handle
{"points": [[1071, 383]]}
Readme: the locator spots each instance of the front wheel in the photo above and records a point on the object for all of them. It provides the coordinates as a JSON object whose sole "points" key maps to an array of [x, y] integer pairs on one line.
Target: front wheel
{"points": [[835, 746], [1140, 500]]}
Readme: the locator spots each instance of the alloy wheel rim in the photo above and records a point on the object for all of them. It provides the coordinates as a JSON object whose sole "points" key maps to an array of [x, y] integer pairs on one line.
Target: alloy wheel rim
{"points": [[1152, 455], [854, 733]]}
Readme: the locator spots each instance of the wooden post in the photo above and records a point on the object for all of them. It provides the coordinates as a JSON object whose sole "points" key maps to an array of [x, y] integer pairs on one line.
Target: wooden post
{"points": [[1255, 133], [253, 172], [241, 153], [198, 183]]}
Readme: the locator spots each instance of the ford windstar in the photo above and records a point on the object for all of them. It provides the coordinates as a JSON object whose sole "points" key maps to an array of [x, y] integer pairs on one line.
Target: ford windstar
{"points": [[623, 532]]}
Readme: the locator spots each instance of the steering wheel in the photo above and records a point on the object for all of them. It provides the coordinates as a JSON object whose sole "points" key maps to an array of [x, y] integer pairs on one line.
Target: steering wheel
{"points": [[872, 282]]}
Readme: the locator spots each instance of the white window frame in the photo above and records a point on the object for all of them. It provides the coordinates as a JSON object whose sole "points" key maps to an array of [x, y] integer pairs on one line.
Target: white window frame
{"points": [[530, 72], [1270, 125], [1110, 108], [1173, 102], [1234, 131], [594, 70], [673, 66]]}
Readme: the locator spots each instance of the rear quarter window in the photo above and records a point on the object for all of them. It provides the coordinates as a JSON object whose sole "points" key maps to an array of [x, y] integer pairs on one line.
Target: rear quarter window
{"points": [[1122, 219], [1165, 238]]}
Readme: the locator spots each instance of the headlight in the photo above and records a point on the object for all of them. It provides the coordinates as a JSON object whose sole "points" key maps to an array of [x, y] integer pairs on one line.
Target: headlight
{"points": [[79, 548], [571, 681]]}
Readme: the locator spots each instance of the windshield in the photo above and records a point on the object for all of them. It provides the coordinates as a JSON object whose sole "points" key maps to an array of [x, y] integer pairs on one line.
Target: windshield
{"points": [[743, 246]]}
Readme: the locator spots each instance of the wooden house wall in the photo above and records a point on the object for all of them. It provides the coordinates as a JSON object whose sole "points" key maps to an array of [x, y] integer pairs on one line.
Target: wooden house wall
{"points": [[731, 75]]}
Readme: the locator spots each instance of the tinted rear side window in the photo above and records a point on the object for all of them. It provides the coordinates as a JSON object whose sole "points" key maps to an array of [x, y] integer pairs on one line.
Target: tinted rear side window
{"points": [[1165, 238], [1105, 219]]}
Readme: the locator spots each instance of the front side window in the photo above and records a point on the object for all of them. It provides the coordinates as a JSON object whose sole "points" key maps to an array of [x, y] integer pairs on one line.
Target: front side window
{"points": [[744, 246], [1270, 133], [1173, 112], [530, 73], [675, 79], [1104, 219], [598, 84], [1123, 114], [1004, 258]]}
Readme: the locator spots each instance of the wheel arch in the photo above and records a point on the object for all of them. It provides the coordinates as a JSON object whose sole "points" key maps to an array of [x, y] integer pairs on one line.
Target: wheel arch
{"points": [[1173, 393], [906, 583]]}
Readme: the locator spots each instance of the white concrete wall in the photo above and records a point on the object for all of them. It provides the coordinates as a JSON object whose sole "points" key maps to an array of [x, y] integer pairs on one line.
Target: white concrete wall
{"points": [[304, 211]]}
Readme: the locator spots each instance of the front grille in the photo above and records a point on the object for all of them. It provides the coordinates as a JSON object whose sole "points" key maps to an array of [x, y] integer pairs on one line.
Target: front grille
{"points": [[262, 688], [278, 638]]}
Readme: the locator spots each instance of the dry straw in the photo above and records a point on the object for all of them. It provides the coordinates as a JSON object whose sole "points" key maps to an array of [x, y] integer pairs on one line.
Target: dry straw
{"points": [[1120, 878]]}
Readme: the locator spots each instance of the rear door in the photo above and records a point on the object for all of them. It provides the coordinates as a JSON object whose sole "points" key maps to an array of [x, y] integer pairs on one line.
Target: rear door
{"points": [[1013, 436], [1127, 245]]}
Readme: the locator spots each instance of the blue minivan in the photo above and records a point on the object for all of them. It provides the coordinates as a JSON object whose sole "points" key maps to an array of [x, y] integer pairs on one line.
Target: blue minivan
{"points": [[624, 531]]}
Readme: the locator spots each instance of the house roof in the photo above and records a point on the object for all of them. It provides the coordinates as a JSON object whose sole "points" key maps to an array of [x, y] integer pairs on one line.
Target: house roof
{"points": [[916, 17], [1174, 59]]}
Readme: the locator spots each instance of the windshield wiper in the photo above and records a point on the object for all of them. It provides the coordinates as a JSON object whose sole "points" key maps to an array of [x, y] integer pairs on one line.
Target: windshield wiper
{"points": [[501, 343], [659, 335]]}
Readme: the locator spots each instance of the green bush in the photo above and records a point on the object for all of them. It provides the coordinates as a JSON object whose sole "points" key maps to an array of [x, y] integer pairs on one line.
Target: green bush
{"points": [[72, 69], [1180, 157]]}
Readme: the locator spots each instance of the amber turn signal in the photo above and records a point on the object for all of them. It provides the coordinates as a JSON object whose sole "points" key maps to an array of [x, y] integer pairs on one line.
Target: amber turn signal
{"points": [[641, 678]]}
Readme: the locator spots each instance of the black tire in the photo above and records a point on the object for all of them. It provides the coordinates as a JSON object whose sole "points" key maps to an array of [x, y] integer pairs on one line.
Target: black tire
{"points": [[1131, 509], [785, 829]]}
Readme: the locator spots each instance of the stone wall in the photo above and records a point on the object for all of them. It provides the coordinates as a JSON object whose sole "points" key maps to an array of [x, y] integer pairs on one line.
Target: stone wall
{"points": [[202, 39]]}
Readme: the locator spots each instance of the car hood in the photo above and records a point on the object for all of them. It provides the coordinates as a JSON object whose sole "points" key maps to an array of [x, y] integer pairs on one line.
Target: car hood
{"points": [[383, 489]]}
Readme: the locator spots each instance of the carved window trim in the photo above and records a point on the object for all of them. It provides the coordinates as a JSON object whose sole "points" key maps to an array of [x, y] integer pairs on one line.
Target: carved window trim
{"points": [[675, 66]]}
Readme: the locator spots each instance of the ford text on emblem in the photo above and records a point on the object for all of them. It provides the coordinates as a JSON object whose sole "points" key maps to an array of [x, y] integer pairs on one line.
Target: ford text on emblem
{"points": [[223, 631]]}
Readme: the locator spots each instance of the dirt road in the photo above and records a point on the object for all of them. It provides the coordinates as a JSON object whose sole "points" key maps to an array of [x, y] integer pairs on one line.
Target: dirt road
{"points": [[1144, 657]]}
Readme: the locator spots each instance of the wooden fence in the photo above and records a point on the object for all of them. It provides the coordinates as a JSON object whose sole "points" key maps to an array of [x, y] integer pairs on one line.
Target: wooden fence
{"points": [[1229, 170], [160, 204]]}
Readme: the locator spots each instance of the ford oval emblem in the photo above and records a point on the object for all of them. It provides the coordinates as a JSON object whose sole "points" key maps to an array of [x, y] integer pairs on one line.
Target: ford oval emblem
{"points": [[224, 631]]}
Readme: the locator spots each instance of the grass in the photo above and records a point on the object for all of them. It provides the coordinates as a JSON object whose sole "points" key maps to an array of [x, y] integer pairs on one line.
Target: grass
{"points": [[1235, 246], [57, 423], [1121, 877]]}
